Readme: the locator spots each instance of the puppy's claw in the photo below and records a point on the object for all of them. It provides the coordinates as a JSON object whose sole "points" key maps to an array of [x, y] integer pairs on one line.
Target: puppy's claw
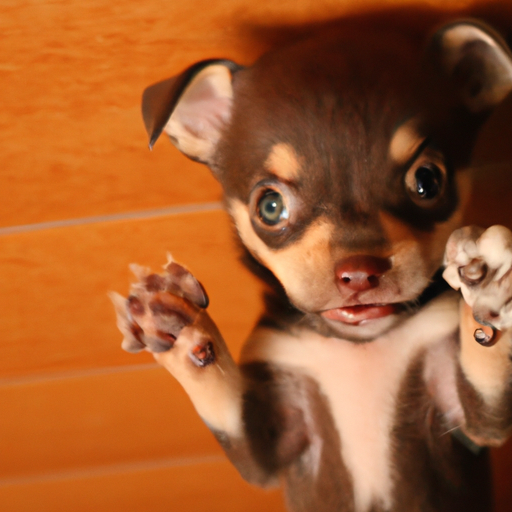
{"points": [[474, 272], [133, 341], [132, 345], [158, 308], [486, 336], [179, 277], [479, 263], [139, 271]]}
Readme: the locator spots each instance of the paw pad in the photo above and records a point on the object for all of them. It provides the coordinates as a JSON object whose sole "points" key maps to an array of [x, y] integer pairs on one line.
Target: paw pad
{"points": [[203, 354], [479, 263], [158, 308]]}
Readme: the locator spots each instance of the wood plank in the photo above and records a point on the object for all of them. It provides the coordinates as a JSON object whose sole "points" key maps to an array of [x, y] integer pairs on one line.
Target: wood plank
{"points": [[73, 143], [56, 315], [53, 433], [86, 153], [77, 423], [208, 487]]}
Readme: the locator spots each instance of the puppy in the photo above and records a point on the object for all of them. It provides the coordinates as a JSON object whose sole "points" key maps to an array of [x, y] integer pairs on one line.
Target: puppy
{"points": [[368, 384]]}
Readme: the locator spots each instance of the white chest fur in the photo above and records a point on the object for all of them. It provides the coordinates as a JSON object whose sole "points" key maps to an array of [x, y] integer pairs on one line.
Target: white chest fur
{"points": [[361, 383]]}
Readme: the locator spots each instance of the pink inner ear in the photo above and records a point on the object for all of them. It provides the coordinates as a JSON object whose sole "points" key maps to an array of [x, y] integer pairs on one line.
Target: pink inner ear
{"points": [[204, 118], [487, 64], [202, 111]]}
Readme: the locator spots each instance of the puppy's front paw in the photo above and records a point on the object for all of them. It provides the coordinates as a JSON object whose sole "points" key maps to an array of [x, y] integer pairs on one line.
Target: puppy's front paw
{"points": [[159, 308], [479, 263]]}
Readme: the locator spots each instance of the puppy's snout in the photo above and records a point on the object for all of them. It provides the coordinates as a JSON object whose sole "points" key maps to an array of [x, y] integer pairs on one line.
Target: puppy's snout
{"points": [[360, 273]]}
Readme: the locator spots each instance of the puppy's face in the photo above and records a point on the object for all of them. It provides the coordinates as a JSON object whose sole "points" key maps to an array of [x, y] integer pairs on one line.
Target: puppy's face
{"points": [[343, 164], [339, 182]]}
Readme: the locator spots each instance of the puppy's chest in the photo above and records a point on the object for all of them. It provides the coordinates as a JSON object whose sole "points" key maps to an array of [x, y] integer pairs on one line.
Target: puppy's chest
{"points": [[361, 384]]}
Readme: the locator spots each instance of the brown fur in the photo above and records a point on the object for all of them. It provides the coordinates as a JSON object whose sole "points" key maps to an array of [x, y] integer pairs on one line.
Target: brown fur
{"points": [[333, 134], [433, 471]]}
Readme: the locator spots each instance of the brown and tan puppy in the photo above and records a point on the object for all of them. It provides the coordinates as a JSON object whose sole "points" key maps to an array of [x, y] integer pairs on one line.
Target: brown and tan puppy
{"points": [[344, 161]]}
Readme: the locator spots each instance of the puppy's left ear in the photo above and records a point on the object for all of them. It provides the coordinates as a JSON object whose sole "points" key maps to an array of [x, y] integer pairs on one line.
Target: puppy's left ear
{"points": [[477, 60], [192, 108]]}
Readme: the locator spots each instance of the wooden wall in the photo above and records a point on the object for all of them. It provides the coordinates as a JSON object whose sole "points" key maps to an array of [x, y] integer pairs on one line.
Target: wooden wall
{"points": [[84, 426]]}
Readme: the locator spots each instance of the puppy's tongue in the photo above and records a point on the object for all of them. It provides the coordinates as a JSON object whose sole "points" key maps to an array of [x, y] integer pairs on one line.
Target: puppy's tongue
{"points": [[356, 314]]}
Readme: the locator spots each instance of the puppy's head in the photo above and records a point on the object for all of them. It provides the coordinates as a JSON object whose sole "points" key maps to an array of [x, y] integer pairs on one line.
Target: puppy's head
{"points": [[343, 159]]}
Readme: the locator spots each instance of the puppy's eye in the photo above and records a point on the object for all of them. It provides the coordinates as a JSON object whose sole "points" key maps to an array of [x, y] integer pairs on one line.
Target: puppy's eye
{"points": [[428, 181], [425, 182], [271, 208]]}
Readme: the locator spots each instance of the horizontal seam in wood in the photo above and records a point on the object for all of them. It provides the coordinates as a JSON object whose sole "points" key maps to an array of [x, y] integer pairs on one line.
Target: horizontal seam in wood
{"points": [[111, 469], [43, 378], [137, 215]]}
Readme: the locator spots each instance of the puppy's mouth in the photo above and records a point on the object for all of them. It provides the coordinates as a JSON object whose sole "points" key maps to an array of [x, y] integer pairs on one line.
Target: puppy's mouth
{"points": [[361, 313]]}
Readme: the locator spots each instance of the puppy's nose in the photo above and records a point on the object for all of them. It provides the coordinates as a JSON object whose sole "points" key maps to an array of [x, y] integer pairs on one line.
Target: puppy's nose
{"points": [[360, 273]]}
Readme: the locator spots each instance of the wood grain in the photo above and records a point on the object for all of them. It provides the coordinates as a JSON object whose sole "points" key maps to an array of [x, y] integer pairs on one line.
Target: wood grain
{"points": [[77, 423], [83, 428], [56, 315], [72, 74], [210, 486]]}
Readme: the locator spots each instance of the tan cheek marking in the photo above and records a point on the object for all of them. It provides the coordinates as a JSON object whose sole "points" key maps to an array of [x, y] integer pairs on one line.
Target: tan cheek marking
{"points": [[432, 244], [416, 254], [403, 238], [404, 142], [404, 242], [283, 162], [396, 231], [311, 255]]}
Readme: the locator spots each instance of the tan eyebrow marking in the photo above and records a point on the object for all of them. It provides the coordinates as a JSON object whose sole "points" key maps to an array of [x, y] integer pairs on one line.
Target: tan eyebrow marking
{"points": [[404, 142], [283, 162]]}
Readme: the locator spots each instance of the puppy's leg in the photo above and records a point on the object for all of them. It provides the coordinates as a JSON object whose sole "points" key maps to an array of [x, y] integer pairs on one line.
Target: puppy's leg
{"points": [[166, 315], [479, 263]]}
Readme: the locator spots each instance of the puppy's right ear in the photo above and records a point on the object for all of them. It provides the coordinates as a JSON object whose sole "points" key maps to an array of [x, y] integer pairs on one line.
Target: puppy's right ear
{"points": [[477, 60], [192, 108]]}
